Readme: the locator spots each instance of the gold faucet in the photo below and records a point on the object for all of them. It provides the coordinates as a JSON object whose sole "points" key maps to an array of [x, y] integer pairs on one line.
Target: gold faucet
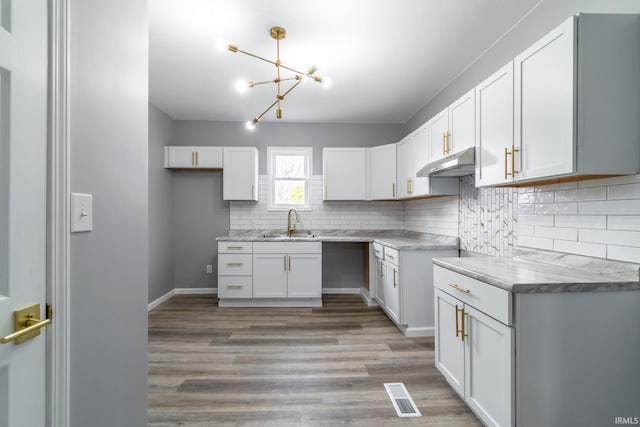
{"points": [[291, 227]]}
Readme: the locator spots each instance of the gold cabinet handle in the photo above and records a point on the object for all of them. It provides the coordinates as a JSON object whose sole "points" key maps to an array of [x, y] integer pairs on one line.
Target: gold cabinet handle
{"points": [[395, 283], [289, 263], [445, 137], [409, 186], [461, 289], [234, 247], [253, 191], [381, 269], [197, 160], [457, 325], [506, 153], [26, 325], [444, 143], [393, 189], [463, 332], [234, 287], [234, 264], [193, 158], [514, 150], [390, 256], [284, 258]]}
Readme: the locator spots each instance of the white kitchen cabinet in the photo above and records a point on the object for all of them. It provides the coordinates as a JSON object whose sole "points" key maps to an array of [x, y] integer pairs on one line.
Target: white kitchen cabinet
{"points": [[494, 128], [474, 351], [403, 286], [412, 154], [382, 172], [344, 173], [240, 173], [287, 270], [235, 273], [176, 157], [453, 129], [574, 92]]}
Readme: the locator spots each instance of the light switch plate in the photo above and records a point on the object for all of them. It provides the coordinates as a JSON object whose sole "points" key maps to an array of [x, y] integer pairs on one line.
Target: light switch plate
{"points": [[81, 212]]}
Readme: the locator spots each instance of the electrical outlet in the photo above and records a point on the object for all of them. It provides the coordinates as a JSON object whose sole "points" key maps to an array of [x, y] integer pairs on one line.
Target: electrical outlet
{"points": [[209, 269]]}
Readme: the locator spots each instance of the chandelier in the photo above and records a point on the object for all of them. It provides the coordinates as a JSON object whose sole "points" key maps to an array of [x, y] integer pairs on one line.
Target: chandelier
{"points": [[277, 33]]}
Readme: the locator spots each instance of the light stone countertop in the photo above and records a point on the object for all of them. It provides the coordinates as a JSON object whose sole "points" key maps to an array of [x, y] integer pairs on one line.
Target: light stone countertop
{"points": [[400, 240], [532, 271]]}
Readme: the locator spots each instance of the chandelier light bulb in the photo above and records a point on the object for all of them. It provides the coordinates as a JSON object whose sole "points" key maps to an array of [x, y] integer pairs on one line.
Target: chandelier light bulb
{"points": [[242, 86], [250, 125], [221, 45], [327, 82]]}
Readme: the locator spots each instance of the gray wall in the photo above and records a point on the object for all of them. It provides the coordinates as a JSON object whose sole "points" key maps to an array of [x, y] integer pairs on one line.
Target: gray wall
{"points": [[161, 226], [109, 265], [200, 215], [548, 15], [316, 135]]}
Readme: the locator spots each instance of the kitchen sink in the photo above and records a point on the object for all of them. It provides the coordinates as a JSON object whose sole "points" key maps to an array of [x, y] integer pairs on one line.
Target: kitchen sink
{"points": [[299, 234]]}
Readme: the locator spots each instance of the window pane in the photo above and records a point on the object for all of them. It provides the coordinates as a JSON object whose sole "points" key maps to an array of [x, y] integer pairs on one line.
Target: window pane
{"points": [[290, 167], [289, 192]]}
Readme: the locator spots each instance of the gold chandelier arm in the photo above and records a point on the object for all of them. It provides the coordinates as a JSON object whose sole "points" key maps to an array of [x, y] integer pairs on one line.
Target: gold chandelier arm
{"points": [[257, 118], [233, 48], [252, 84]]}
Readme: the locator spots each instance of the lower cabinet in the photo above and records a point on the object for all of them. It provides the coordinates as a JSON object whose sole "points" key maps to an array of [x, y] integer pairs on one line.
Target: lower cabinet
{"points": [[475, 354], [402, 285], [270, 273]]}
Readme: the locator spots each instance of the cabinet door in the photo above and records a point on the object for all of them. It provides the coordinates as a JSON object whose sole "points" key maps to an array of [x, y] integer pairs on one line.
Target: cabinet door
{"points": [[240, 174], [344, 173], [544, 100], [404, 168], [305, 276], [209, 157], [494, 128], [380, 283], [449, 348], [438, 131], [462, 123], [392, 292], [180, 157], [383, 172], [269, 276], [419, 157], [488, 368]]}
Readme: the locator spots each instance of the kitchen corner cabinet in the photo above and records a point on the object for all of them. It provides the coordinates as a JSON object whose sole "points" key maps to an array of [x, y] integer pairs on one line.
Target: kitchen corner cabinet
{"points": [[287, 270], [413, 154], [403, 286], [576, 97], [240, 173], [382, 172], [176, 157], [453, 129], [344, 173], [474, 351]]}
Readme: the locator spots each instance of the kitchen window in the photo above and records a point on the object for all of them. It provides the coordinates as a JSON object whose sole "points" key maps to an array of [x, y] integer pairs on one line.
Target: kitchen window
{"points": [[289, 170]]}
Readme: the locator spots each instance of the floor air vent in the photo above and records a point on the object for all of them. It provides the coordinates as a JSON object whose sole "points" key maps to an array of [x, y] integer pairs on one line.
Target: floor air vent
{"points": [[402, 401]]}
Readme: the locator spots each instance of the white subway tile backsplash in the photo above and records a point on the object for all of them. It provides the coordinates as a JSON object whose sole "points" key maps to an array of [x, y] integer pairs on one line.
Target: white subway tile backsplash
{"points": [[623, 253], [556, 208], [581, 221], [582, 194], [611, 237], [631, 222], [610, 207], [626, 179], [627, 191], [535, 242], [581, 248], [545, 220], [557, 233]]}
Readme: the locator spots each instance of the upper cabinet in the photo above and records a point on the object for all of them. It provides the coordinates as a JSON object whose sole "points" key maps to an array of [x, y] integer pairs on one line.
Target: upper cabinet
{"points": [[576, 103], [453, 129], [494, 127], [344, 173], [193, 157], [382, 172], [240, 176]]}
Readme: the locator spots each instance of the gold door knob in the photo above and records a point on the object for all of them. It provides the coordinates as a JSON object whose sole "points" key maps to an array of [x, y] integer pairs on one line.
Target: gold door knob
{"points": [[26, 324]]}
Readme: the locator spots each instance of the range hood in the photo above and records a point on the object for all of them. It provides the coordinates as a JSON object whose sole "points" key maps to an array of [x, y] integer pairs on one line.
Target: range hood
{"points": [[456, 164]]}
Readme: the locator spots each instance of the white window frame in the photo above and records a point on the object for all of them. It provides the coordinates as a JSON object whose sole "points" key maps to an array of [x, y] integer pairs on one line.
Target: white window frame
{"points": [[272, 153]]}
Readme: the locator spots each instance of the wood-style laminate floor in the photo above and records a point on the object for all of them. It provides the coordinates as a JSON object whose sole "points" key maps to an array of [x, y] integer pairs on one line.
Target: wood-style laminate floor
{"points": [[211, 366]]}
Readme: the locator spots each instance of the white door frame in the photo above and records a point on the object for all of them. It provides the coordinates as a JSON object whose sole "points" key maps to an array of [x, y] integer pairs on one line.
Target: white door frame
{"points": [[58, 229]]}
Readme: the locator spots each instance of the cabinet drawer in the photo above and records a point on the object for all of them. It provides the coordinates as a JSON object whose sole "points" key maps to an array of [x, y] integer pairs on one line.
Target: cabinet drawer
{"points": [[235, 287], [491, 300], [287, 247], [235, 247], [378, 250], [234, 265], [391, 255]]}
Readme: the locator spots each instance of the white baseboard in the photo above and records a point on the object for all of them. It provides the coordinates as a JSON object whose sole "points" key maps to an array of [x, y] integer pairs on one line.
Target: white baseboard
{"points": [[195, 291], [341, 291], [162, 299], [421, 331], [364, 294], [180, 291], [267, 302]]}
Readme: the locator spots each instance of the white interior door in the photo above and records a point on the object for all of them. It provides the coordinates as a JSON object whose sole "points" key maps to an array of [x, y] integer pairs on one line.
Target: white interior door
{"points": [[23, 163]]}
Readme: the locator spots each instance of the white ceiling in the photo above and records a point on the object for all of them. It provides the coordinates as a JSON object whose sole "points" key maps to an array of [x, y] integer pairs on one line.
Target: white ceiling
{"points": [[386, 58]]}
